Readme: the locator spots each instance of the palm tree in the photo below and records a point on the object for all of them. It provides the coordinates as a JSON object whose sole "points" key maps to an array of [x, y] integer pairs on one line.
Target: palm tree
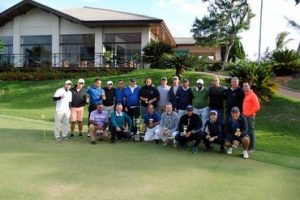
{"points": [[281, 40]]}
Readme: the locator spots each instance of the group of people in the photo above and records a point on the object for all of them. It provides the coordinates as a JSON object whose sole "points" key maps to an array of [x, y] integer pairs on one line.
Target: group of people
{"points": [[179, 113]]}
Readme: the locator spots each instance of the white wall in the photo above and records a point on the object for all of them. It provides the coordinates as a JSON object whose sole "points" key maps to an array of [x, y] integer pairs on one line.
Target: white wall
{"points": [[7, 29]]}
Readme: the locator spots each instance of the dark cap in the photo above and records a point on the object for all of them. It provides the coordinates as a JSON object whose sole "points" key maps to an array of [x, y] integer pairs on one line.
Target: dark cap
{"points": [[189, 108], [235, 109], [132, 80]]}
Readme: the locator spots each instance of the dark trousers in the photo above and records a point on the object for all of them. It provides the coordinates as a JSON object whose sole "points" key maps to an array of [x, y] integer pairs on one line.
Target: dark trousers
{"points": [[207, 143], [134, 113], [92, 107], [119, 134], [196, 137]]}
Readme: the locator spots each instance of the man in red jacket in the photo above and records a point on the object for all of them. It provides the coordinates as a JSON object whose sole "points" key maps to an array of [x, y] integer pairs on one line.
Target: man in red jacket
{"points": [[250, 108]]}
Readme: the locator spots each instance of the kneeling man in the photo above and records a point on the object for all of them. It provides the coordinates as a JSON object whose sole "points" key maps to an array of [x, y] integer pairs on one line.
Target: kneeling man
{"points": [[98, 122], [152, 120]]}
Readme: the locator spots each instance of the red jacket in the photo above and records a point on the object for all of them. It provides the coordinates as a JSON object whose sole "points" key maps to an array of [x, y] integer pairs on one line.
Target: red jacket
{"points": [[250, 104]]}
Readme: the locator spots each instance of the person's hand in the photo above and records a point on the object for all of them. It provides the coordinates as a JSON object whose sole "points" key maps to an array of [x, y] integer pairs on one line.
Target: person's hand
{"points": [[182, 133], [62, 96], [207, 136], [211, 139], [188, 134], [125, 130], [151, 125], [126, 109], [238, 133], [118, 129]]}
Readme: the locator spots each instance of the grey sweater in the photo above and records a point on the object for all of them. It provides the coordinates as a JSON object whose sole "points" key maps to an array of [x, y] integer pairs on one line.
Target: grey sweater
{"points": [[170, 121]]}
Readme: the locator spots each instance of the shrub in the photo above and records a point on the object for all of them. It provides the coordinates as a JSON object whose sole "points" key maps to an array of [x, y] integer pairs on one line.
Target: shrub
{"points": [[286, 62]]}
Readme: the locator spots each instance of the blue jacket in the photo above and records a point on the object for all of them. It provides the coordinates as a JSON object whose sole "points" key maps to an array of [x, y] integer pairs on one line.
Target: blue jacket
{"points": [[132, 99], [119, 96], [95, 95], [155, 116]]}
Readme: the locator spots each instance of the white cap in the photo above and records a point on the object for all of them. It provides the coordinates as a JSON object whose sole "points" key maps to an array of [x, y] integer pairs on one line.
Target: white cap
{"points": [[68, 82], [200, 81], [80, 80], [109, 82]]}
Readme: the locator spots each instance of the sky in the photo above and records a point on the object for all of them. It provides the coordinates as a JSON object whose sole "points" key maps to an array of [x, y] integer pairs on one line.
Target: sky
{"points": [[179, 16]]}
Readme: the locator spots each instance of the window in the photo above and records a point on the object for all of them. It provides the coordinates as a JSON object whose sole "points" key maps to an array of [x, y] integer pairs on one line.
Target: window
{"points": [[6, 53]]}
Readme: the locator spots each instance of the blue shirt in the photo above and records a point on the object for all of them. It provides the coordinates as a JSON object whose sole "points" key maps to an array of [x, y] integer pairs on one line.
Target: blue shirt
{"points": [[119, 96], [155, 116], [132, 98], [95, 95]]}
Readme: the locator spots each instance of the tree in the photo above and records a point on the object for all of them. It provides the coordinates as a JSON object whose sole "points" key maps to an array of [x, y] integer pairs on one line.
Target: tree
{"points": [[237, 51], [154, 51], [281, 40], [226, 19]]}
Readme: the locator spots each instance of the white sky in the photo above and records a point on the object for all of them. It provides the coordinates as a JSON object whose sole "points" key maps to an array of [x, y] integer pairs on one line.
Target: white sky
{"points": [[179, 16]]}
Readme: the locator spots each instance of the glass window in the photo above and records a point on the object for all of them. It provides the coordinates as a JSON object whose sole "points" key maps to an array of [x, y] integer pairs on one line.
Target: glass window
{"points": [[122, 38], [7, 41]]}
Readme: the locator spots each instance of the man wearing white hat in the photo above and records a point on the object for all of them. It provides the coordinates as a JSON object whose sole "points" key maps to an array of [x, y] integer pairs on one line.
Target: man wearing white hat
{"points": [[201, 101], [63, 98]]}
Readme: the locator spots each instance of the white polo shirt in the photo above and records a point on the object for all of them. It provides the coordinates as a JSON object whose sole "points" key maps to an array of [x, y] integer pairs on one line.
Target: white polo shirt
{"points": [[62, 105]]}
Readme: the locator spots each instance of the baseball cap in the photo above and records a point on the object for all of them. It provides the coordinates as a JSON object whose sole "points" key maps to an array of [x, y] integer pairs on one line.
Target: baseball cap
{"points": [[132, 80], [164, 78], [80, 80], [109, 83], [189, 108], [68, 82], [186, 80], [213, 112], [175, 77], [235, 109], [200, 81]]}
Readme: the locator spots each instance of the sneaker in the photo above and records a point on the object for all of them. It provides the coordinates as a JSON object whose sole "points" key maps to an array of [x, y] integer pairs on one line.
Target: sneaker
{"points": [[71, 135], [89, 135], [93, 142], [58, 139], [80, 135], [165, 143], [245, 154], [229, 151], [194, 150]]}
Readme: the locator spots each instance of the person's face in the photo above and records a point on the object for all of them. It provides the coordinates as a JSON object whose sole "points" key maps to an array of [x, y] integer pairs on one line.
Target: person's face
{"points": [[121, 84], [169, 109], [186, 84], [234, 84], [68, 86], [235, 115], [199, 85], [190, 113], [213, 117], [98, 84], [132, 83], [80, 85], [119, 108], [150, 109], [109, 86], [246, 87], [148, 82], [163, 82], [175, 81], [100, 108], [216, 81]]}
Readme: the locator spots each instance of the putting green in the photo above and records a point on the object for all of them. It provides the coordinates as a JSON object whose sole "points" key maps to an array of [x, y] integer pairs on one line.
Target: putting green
{"points": [[37, 167]]}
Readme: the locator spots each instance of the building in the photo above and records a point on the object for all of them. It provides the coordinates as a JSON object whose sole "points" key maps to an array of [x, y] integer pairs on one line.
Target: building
{"points": [[37, 35]]}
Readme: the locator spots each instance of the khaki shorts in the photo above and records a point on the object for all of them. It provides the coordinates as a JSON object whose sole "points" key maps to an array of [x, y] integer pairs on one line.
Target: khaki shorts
{"points": [[77, 114]]}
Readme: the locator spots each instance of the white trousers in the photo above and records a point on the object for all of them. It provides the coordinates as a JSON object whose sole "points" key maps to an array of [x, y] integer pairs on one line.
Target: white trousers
{"points": [[152, 134], [64, 118], [203, 113], [164, 137]]}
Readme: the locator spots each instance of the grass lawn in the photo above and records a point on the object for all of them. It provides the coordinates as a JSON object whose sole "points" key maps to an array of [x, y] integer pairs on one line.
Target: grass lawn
{"points": [[37, 167], [294, 83]]}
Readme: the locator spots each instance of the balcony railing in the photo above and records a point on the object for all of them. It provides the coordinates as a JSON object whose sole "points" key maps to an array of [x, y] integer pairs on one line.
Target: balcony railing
{"points": [[71, 60]]}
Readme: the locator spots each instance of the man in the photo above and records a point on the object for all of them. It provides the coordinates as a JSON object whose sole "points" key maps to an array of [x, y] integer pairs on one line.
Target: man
{"points": [[250, 108], [173, 95], [119, 120], [98, 122], [119, 92], [109, 101], [63, 98], [189, 128], [201, 101], [77, 106], [163, 90], [96, 96], [216, 95], [185, 97], [169, 124], [214, 132], [234, 96], [237, 132], [148, 95], [132, 101], [152, 120]]}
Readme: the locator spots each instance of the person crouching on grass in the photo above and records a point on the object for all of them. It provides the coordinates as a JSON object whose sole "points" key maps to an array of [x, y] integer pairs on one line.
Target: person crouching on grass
{"points": [[213, 131], [152, 120], [236, 132], [119, 120]]}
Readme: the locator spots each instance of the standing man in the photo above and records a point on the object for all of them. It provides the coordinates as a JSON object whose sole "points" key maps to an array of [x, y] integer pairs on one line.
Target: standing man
{"points": [[234, 97], [169, 124], [119, 91], [163, 90], [119, 120], [77, 106], [201, 101], [96, 95], [185, 97], [173, 93], [237, 132], [98, 122], [250, 108], [217, 94], [189, 129], [152, 120], [63, 98], [132, 101], [148, 95], [109, 101]]}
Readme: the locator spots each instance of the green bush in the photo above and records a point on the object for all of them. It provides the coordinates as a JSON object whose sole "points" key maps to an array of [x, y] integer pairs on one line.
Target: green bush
{"points": [[286, 62], [260, 75]]}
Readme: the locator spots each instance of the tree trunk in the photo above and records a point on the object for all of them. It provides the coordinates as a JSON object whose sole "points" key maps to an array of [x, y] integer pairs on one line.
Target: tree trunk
{"points": [[225, 61], [179, 72]]}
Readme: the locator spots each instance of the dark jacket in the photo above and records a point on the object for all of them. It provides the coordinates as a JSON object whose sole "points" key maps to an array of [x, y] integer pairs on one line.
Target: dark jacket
{"points": [[216, 97], [193, 123], [231, 127], [78, 97], [234, 98], [110, 97], [214, 129], [173, 98], [185, 98], [149, 92]]}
